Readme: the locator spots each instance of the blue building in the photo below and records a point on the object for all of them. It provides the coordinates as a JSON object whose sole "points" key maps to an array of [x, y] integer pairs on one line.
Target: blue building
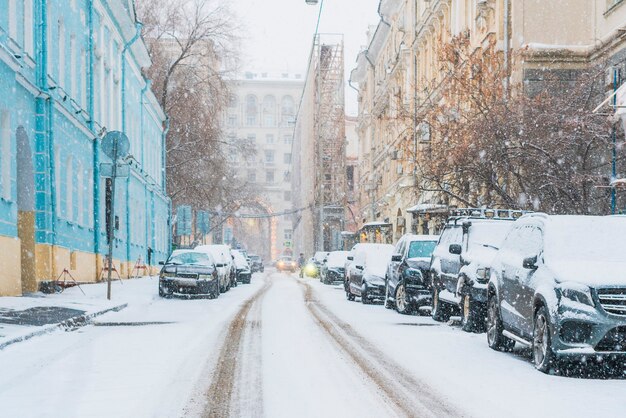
{"points": [[70, 70]]}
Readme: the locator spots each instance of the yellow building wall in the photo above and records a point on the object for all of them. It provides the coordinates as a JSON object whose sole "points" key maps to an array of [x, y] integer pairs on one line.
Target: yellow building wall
{"points": [[10, 267]]}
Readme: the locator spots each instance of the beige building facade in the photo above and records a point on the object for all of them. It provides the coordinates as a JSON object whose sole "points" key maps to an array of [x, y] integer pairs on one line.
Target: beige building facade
{"points": [[262, 112], [399, 76]]}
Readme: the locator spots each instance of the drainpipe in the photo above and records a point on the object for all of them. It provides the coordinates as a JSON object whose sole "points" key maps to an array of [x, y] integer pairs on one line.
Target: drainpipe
{"points": [[138, 27], [96, 144], [143, 92]]}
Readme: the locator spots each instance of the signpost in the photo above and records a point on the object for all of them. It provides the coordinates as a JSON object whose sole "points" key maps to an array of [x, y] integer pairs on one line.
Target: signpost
{"points": [[115, 145]]}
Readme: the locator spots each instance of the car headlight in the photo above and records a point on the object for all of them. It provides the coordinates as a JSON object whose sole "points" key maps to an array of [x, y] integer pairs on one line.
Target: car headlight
{"points": [[576, 292], [166, 274], [310, 269], [414, 273]]}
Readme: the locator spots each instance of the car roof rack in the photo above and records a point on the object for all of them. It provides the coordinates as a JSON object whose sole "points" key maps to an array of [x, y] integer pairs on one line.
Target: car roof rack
{"points": [[458, 214]]}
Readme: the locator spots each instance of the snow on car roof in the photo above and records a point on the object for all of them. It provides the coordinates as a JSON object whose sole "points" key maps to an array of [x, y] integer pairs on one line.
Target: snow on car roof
{"points": [[337, 258], [413, 237]]}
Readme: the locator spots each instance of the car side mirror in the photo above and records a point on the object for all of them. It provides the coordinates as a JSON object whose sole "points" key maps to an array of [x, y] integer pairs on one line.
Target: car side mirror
{"points": [[161, 263], [396, 257], [455, 249], [350, 258], [530, 263]]}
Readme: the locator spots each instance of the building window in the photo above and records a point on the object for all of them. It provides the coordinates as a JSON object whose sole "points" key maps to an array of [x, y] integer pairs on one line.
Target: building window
{"points": [[73, 64], [28, 27], [269, 138], [83, 78], [287, 110], [61, 34], [251, 110], [269, 176], [288, 196], [288, 234], [287, 158], [269, 111], [269, 156], [57, 180], [80, 193], [252, 138], [287, 176], [251, 176], [5, 143], [288, 139], [232, 101], [69, 189], [232, 121], [350, 177], [12, 15]]}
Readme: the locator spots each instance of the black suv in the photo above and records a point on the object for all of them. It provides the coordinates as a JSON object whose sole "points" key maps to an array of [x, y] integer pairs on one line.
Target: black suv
{"points": [[406, 284], [461, 261], [558, 285]]}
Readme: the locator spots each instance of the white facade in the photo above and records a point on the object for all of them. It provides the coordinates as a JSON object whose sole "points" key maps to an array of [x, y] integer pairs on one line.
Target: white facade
{"points": [[262, 111]]}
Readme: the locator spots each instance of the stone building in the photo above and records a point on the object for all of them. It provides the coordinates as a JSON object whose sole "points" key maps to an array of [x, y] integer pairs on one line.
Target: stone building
{"points": [[398, 76], [262, 112], [70, 70]]}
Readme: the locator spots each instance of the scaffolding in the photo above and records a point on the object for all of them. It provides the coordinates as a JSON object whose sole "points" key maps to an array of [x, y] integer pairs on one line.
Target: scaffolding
{"points": [[330, 142]]}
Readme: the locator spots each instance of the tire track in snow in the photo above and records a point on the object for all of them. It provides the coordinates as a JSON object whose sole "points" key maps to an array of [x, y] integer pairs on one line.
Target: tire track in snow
{"points": [[239, 356], [409, 396]]}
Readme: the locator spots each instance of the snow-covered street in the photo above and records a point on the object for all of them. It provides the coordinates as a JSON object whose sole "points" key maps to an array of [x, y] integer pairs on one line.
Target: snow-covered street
{"points": [[280, 347]]}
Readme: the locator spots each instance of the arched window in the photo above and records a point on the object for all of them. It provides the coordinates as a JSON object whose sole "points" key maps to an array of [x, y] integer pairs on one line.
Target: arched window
{"points": [[251, 110], [89, 194], [287, 110], [269, 111], [69, 189], [5, 160]]}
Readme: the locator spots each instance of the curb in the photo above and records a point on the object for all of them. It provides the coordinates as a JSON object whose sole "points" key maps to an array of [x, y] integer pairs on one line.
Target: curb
{"points": [[68, 325]]}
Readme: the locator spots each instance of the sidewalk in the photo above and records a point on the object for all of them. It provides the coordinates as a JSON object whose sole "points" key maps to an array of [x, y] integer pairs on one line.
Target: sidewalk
{"points": [[22, 318]]}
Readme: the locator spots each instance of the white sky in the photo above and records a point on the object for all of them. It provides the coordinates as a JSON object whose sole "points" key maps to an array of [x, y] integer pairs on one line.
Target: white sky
{"points": [[278, 33]]}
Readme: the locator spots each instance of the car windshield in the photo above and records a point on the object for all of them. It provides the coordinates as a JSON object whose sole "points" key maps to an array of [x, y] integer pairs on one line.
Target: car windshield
{"points": [[421, 249], [192, 258], [255, 258], [589, 238], [488, 234]]}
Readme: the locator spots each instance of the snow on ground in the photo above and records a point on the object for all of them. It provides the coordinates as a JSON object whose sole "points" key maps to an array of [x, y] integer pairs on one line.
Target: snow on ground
{"points": [[301, 351], [461, 366], [143, 370]]}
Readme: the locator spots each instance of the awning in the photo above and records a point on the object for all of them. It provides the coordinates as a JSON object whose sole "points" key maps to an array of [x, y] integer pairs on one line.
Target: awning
{"points": [[428, 208]]}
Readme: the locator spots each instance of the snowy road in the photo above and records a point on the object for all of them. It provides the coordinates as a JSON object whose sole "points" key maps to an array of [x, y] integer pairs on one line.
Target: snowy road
{"points": [[281, 347]]}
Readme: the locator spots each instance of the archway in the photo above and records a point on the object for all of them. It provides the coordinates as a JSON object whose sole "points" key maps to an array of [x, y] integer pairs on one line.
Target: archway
{"points": [[26, 210]]}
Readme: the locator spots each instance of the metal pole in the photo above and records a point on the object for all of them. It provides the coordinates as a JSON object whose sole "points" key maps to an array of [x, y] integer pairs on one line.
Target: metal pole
{"points": [[614, 151], [111, 226]]}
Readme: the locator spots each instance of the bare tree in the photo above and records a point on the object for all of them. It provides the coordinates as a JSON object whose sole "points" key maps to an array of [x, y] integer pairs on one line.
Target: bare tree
{"points": [[193, 47]]}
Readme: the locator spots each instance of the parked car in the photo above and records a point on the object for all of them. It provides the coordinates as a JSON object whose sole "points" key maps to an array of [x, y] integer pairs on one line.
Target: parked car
{"points": [[286, 263], [256, 263], [406, 283], [558, 285], [318, 260], [189, 272], [333, 268], [366, 276], [459, 263], [242, 268], [223, 261]]}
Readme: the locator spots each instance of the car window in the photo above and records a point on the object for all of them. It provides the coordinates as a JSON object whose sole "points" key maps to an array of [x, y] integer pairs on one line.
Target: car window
{"points": [[532, 243], [513, 241], [445, 236], [192, 258], [421, 249]]}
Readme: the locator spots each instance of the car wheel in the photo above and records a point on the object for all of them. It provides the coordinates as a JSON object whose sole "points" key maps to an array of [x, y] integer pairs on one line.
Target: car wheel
{"points": [[365, 299], [349, 296], [161, 293], [441, 312], [495, 339], [388, 303], [402, 305], [543, 355], [472, 315]]}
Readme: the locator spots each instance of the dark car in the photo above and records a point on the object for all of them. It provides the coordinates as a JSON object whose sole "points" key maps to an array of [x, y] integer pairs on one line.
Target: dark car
{"points": [[256, 263], [189, 273], [558, 285], [365, 276], [407, 287], [242, 268], [464, 253], [333, 269]]}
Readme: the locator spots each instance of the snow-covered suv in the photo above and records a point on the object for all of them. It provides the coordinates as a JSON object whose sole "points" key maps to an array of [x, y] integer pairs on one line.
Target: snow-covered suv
{"points": [[558, 285], [460, 263]]}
